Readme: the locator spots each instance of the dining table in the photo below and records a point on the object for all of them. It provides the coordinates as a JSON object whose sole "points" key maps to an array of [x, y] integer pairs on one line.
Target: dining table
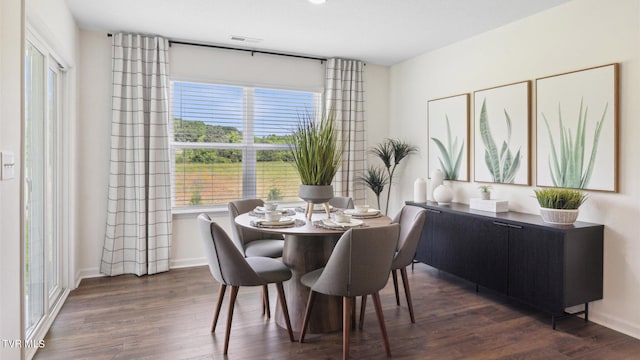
{"points": [[308, 243]]}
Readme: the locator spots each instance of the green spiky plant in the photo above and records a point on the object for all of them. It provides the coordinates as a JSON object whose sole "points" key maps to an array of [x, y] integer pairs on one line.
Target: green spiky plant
{"points": [[502, 165], [316, 150], [558, 198], [567, 168], [450, 157], [376, 179], [391, 152]]}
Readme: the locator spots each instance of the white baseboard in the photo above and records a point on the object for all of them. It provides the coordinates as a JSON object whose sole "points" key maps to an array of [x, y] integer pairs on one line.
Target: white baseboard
{"points": [[88, 273], [182, 263], [617, 324]]}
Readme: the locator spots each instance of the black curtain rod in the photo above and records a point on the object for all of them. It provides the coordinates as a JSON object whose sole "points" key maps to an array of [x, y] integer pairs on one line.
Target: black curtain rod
{"points": [[248, 50], [171, 42]]}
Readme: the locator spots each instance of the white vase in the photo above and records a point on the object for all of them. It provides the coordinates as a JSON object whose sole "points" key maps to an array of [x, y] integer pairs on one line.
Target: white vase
{"points": [[443, 194], [420, 191], [437, 179]]}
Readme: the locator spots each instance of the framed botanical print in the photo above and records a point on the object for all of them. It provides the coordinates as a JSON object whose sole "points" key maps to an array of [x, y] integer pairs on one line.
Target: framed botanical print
{"points": [[448, 134], [501, 134], [576, 129]]}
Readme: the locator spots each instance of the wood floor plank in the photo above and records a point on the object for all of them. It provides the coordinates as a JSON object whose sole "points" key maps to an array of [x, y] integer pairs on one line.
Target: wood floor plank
{"points": [[168, 316]]}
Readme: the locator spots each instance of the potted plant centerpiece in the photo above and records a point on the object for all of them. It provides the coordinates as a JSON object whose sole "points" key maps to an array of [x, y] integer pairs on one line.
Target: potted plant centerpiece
{"points": [[560, 206], [316, 154]]}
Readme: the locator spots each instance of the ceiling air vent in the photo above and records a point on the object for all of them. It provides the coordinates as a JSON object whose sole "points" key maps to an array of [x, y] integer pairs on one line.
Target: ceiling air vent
{"points": [[245, 39]]}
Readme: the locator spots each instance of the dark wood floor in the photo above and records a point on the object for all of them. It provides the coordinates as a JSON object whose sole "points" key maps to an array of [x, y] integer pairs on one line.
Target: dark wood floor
{"points": [[167, 316]]}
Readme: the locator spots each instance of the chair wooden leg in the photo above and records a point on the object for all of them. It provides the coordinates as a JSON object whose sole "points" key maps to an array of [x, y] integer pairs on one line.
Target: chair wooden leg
{"points": [[346, 319], [232, 302], [394, 276], [352, 311], [407, 292], [285, 309], [266, 307], [307, 315], [216, 313], [383, 329], [363, 307]]}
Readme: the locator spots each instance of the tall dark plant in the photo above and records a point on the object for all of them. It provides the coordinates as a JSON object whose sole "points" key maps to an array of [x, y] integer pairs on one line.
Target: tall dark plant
{"points": [[391, 152], [375, 178]]}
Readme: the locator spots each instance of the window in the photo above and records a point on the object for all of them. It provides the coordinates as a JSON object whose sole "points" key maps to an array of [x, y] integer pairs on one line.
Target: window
{"points": [[232, 142], [42, 173]]}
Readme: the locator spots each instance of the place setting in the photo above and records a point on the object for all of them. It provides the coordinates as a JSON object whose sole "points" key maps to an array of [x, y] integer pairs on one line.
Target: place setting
{"points": [[274, 220], [260, 211], [363, 212], [339, 221]]}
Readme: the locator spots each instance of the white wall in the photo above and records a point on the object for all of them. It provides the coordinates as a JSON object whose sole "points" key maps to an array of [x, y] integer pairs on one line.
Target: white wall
{"points": [[11, 23], [577, 35], [186, 63]]}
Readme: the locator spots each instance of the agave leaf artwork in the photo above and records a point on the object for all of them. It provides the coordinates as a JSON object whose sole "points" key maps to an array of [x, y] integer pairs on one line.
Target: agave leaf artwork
{"points": [[502, 164], [451, 157], [567, 168]]}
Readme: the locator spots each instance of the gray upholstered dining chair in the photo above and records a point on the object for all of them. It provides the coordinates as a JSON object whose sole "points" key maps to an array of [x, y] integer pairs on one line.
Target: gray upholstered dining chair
{"points": [[341, 202], [252, 242], [230, 268], [359, 265], [411, 220]]}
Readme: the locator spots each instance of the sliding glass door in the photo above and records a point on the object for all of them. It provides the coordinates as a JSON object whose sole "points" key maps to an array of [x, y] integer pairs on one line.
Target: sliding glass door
{"points": [[41, 186]]}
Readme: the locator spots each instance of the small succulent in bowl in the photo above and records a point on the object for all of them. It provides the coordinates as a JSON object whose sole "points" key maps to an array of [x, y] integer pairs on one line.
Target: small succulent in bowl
{"points": [[558, 198], [560, 206], [485, 191]]}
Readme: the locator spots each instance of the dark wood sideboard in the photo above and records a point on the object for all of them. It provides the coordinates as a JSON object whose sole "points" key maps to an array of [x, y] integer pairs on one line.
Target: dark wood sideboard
{"points": [[549, 267]]}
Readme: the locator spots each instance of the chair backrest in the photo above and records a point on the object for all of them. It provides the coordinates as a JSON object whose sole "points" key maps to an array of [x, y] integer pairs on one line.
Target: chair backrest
{"points": [[360, 263], [241, 235], [341, 202], [411, 220], [227, 265]]}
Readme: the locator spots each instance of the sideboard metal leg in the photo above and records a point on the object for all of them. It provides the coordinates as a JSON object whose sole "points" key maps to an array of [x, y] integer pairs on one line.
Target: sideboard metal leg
{"points": [[586, 312]]}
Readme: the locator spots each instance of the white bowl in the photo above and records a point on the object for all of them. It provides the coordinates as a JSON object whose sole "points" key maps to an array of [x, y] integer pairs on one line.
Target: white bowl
{"points": [[270, 206], [341, 218], [362, 209], [272, 216]]}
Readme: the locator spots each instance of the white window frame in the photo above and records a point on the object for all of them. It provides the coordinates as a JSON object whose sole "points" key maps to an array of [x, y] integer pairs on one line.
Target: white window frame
{"points": [[248, 147], [65, 189]]}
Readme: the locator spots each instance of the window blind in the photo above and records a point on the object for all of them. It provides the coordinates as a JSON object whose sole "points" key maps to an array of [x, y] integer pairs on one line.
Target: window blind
{"points": [[232, 142]]}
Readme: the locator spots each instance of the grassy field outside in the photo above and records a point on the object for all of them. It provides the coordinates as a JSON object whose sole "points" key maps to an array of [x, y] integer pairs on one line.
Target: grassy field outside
{"points": [[219, 183]]}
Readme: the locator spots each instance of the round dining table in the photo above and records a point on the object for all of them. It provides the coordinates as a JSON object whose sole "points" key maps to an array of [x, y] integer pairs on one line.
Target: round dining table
{"points": [[307, 247]]}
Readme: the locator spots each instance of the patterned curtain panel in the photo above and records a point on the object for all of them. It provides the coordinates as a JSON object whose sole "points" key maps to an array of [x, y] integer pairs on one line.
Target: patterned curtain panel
{"points": [[344, 94], [138, 235]]}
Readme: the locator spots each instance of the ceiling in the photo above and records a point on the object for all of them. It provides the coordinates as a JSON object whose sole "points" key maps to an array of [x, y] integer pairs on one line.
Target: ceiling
{"points": [[383, 32]]}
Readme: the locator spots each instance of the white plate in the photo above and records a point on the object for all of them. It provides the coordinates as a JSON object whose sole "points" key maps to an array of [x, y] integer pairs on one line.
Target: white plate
{"points": [[282, 222], [352, 223], [370, 212]]}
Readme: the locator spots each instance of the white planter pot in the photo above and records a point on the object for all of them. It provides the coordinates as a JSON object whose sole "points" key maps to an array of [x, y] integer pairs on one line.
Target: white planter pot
{"points": [[559, 216]]}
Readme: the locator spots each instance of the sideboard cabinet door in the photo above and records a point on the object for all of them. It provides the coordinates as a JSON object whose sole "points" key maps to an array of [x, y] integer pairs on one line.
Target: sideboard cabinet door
{"points": [[535, 267]]}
